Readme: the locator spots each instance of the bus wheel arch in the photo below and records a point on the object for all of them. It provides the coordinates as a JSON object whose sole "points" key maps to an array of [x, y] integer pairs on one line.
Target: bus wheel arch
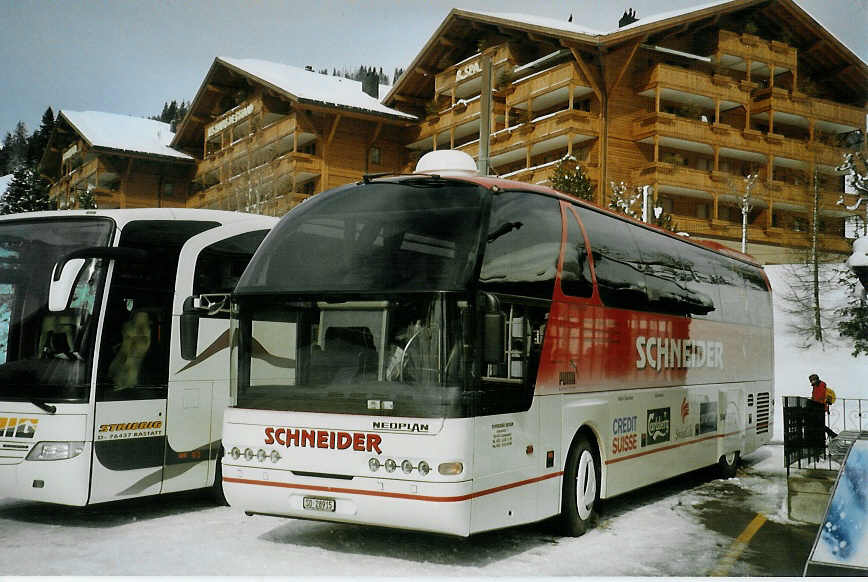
{"points": [[217, 487], [581, 483]]}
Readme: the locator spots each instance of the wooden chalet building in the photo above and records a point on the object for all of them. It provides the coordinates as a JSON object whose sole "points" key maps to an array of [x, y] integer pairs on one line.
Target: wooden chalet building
{"points": [[266, 136], [688, 102], [125, 162]]}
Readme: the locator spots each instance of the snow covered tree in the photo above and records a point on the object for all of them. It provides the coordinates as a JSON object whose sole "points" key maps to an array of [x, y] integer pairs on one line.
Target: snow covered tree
{"points": [[569, 177], [27, 192], [624, 199], [86, 200], [855, 167]]}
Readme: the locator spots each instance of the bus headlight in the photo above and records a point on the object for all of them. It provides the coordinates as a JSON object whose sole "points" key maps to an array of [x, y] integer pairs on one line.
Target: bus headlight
{"points": [[275, 456], [235, 453], [248, 454], [374, 464], [55, 450], [424, 468], [391, 465], [407, 467], [260, 456]]}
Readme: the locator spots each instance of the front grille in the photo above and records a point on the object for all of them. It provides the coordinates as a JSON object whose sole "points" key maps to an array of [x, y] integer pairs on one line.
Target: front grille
{"points": [[12, 452], [763, 410]]}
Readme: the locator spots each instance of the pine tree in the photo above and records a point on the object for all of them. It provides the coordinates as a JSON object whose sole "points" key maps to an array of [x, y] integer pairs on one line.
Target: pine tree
{"points": [[39, 140], [86, 200], [27, 192], [397, 74], [569, 177], [853, 317]]}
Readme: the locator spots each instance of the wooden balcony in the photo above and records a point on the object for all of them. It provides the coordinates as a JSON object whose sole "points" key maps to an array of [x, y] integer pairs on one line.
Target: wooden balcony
{"points": [[463, 117], [551, 130], [694, 82], [547, 81], [754, 48], [801, 195], [464, 77], [543, 174], [808, 108]]}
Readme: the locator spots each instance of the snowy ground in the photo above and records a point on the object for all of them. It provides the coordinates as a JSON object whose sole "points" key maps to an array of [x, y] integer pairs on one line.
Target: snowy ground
{"points": [[847, 375], [679, 528]]}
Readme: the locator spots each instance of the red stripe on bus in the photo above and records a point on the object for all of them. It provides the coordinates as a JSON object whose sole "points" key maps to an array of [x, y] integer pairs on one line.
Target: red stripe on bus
{"points": [[666, 448], [393, 495]]}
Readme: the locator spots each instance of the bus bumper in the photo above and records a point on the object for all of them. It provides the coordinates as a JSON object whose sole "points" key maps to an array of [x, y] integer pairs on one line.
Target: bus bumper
{"points": [[64, 481], [422, 506]]}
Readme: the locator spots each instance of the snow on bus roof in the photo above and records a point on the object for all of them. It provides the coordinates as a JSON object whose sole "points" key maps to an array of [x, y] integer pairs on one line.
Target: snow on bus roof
{"points": [[313, 86], [124, 132]]}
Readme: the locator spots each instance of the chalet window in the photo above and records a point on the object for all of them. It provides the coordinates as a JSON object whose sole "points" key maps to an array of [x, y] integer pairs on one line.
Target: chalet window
{"points": [[702, 210], [375, 156]]}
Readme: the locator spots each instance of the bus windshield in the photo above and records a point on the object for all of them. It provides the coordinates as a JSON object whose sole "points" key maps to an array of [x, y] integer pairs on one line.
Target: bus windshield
{"points": [[397, 355], [419, 234], [45, 355]]}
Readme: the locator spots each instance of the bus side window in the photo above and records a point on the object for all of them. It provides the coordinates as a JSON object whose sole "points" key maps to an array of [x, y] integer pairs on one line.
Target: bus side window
{"points": [[576, 273], [134, 357], [616, 261], [700, 275], [524, 242], [221, 264]]}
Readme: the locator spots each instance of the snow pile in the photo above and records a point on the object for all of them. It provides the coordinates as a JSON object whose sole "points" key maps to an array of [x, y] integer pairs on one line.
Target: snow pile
{"points": [[313, 86], [847, 375], [123, 132]]}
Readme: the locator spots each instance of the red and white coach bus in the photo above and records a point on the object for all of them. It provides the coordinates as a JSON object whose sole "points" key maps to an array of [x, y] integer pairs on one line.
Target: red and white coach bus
{"points": [[453, 353]]}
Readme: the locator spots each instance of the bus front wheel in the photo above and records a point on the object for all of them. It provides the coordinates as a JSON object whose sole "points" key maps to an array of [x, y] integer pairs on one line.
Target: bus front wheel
{"points": [[727, 465], [581, 491]]}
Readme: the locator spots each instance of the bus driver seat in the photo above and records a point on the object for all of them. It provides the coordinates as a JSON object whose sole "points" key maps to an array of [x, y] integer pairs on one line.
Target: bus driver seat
{"points": [[126, 366]]}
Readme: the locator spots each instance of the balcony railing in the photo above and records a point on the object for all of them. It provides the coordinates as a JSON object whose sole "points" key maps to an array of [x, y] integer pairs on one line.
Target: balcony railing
{"points": [[537, 133], [749, 46], [469, 71], [808, 107], [694, 82], [544, 82]]}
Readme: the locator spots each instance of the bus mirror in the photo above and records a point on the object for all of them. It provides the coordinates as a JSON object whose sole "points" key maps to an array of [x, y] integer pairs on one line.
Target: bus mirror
{"points": [[189, 329], [493, 345], [62, 284]]}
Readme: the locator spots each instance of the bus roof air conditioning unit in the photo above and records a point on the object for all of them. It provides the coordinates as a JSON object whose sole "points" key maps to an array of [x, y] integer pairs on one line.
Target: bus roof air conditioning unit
{"points": [[447, 163]]}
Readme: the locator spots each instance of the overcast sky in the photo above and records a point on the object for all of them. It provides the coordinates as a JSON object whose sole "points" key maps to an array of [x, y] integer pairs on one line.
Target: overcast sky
{"points": [[130, 56]]}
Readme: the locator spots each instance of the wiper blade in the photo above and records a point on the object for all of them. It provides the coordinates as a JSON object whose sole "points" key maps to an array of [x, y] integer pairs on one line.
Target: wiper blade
{"points": [[49, 408]]}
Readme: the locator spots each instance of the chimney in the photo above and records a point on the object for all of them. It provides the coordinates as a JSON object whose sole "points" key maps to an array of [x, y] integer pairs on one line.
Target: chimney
{"points": [[308, 68], [371, 85], [628, 18]]}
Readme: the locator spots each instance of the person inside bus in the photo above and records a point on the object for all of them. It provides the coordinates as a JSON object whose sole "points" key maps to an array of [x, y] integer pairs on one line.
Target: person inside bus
{"points": [[818, 394]]}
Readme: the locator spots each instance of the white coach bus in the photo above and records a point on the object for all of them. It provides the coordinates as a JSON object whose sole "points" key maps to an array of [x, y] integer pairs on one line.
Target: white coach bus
{"points": [[114, 336], [454, 353]]}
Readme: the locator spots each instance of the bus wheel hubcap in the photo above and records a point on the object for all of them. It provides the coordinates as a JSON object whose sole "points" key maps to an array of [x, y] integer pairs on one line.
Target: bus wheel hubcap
{"points": [[586, 485]]}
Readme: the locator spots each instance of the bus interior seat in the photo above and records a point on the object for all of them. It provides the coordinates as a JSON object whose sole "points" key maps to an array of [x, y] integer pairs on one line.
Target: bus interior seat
{"points": [[57, 333], [126, 367], [348, 353]]}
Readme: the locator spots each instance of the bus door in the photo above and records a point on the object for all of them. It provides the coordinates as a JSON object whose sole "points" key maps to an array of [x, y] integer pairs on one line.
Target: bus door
{"points": [[129, 429], [133, 370], [209, 266]]}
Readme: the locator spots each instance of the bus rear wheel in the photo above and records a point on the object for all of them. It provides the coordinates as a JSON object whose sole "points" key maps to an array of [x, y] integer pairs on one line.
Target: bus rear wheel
{"points": [[581, 490], [727, 464]]}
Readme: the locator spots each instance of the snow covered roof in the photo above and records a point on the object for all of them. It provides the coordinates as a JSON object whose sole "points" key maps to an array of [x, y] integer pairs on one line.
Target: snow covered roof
{"points": [[314, 87], [123, 132]]}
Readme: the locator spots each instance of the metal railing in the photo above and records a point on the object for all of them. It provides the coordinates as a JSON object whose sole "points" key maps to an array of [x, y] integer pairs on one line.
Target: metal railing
{"points": [[805, 429]]}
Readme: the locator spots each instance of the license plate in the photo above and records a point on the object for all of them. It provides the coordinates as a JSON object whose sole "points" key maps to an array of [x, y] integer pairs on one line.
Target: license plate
{"points": [[318, 504]]}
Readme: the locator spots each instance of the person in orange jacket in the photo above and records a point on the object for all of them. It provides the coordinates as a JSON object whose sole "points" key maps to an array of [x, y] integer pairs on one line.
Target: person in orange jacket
{"points": [[818, 394]]}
